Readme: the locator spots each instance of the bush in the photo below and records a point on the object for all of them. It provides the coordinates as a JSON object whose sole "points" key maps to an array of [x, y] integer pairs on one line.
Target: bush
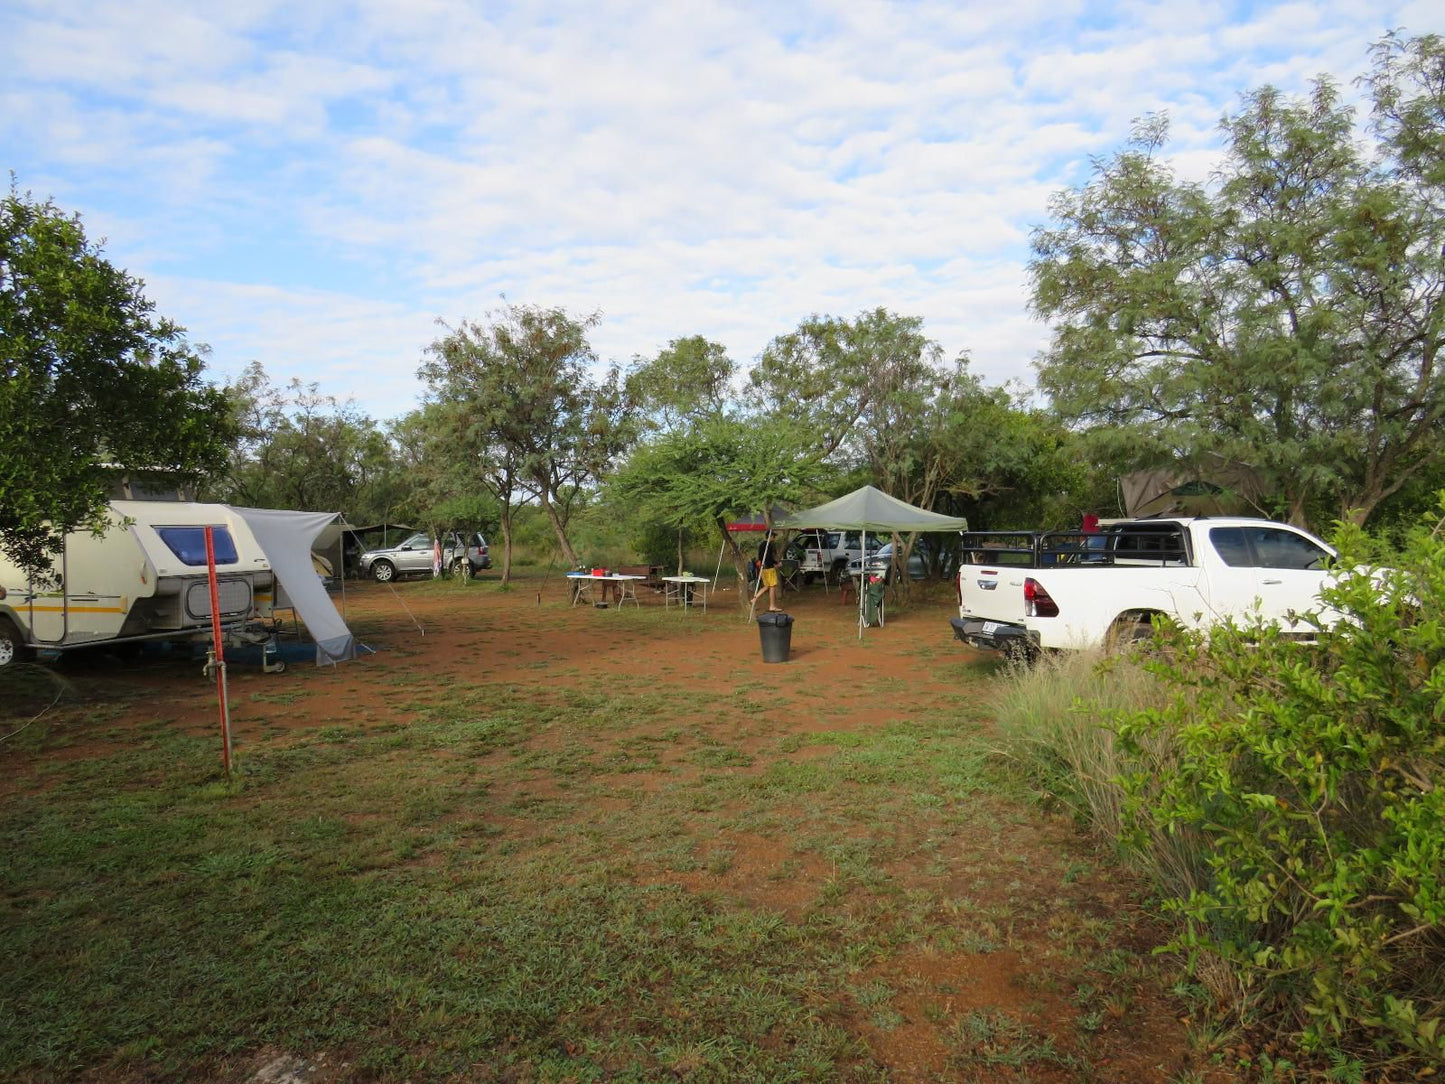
{"points": [[1311, 775]]}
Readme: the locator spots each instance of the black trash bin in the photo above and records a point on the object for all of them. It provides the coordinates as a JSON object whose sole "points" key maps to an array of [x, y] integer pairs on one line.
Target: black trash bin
{"points": [[776, 633]]}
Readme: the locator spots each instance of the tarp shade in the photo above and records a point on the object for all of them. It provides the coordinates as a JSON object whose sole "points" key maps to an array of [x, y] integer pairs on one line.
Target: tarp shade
{"points": [[757, 521], [870, 509], [286, 538], [328, 536]]}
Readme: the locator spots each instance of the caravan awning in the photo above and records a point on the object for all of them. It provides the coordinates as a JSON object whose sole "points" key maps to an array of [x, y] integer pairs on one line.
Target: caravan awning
{"points": [[286, 538]]}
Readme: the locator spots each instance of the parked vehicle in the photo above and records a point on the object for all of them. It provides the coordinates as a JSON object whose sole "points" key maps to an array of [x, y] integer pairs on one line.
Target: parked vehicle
{"points": [[144, 578], [990, 588], [819, 552], [881, 560], [416, 554], [1071, 590], [470, 548]]}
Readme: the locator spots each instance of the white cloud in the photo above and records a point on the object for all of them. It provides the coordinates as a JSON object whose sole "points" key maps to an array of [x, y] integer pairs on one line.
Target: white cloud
{"points": [[310, 185]]}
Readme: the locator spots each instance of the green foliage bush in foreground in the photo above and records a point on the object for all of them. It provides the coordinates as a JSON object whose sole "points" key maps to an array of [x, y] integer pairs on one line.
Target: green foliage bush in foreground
{"points": [[1288, 800]]}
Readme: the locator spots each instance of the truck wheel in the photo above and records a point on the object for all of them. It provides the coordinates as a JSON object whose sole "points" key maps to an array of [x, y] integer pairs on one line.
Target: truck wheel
{"points": [[1020, 654], [13, 648], [1128, 630], [383, 571], [462, 568]]}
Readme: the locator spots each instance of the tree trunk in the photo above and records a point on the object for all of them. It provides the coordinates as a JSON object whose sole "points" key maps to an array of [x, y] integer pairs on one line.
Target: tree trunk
{"points": [[1297, 509], [563, 544], [506, 543], [740, 564]]}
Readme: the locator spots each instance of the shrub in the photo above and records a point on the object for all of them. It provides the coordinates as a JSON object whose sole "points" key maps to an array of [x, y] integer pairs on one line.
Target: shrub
{"points": [[1312, 776]]}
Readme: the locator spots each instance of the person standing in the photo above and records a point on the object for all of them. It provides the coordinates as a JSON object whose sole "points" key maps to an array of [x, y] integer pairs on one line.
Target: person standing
{"points": [[768, 572]]}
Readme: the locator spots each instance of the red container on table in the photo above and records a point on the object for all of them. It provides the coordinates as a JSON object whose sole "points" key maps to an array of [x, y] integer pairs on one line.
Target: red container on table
{"points": [[599, 572]]}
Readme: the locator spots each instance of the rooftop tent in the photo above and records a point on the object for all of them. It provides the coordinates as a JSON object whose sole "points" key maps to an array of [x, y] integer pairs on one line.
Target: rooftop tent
{"points": [[1214, 485], [286, 538], [869, 509]]}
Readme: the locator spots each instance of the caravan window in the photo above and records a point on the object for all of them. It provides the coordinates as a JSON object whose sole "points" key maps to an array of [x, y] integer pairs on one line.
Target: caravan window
{"points": [[189, 544]]}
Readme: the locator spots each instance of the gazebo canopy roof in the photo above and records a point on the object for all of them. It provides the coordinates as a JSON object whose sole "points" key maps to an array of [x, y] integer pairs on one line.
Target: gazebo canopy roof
{"points": [[870, 509]]}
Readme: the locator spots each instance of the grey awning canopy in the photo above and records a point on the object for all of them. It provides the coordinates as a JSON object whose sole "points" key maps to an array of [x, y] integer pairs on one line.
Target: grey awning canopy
{"points": [[870, 509]]}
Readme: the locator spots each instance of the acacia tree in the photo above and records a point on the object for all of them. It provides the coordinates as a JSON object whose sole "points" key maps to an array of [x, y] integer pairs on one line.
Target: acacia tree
{"points": [[90, 379], [830, 372], [525, 401], [688, 381], [298, 448], [702, 475], [1288, 314], [450, 454]]}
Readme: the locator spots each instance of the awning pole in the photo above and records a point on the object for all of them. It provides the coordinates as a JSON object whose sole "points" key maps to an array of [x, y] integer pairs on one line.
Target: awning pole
{"points": [[862, 580], [341, 562]]}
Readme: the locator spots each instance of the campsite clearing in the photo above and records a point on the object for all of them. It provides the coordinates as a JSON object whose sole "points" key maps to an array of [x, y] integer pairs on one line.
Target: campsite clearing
{"points": [[546, 843]]}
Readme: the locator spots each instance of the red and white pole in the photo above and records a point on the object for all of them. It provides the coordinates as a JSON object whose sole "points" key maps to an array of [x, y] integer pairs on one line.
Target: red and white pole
{"points": [[218, 651]]}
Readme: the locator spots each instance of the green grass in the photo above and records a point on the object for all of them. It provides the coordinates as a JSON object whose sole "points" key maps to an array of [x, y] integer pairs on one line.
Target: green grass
{"points": [[503, 882]]}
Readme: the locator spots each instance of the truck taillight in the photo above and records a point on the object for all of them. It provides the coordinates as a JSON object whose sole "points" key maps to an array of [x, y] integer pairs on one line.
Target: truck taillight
{"points": [[1037, 602]]}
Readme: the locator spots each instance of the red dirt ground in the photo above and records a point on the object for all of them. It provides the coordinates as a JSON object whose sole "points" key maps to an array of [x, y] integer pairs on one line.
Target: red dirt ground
{"points": [[530, 637]]}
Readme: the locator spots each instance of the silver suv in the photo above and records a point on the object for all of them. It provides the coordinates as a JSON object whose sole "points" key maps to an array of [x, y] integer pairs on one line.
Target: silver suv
{"points": [[415, 555]]}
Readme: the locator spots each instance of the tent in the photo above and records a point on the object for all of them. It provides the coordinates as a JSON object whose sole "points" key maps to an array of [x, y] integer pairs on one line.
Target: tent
{"points": [[1209, 484], [286, 538], [869, 509]]}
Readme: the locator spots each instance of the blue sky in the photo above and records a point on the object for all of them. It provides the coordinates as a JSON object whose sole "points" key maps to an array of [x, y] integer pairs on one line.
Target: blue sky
{"points": [[312, 185]]}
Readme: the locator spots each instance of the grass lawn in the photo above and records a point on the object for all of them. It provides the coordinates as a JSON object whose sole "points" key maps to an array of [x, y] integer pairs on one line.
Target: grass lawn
{"points": [[546, 843]]}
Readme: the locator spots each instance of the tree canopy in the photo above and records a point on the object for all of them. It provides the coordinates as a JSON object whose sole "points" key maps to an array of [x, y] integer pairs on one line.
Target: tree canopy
{"points": [[522, 400], [93, 381], [1287, 314], [298, 448]]}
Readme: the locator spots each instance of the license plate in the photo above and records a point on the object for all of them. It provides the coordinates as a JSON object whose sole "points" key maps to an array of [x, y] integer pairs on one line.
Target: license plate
{"points": [[990, 627]]}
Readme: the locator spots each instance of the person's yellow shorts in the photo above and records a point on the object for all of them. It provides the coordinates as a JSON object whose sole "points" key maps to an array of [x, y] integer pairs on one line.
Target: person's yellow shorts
{"points": [[769, 577]]}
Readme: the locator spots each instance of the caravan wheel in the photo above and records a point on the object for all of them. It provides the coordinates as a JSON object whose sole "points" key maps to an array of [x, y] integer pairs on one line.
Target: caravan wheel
{"points": [[13, 649]]}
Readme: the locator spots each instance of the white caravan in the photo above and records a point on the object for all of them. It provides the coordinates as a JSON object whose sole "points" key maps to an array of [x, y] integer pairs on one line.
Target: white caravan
{"points": [[145, 578]]}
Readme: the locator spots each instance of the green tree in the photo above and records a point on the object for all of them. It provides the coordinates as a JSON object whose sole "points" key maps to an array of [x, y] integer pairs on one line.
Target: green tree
{"points": [[92, 378], [1011, 466], [1287, 315], [452, 451], [830, 372], [689, 380], [523, 397], [701, 476], [298, 448]]}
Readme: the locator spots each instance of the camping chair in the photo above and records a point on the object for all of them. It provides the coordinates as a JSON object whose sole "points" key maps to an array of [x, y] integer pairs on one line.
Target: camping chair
{"points": [[875, 602], [788, 575]]}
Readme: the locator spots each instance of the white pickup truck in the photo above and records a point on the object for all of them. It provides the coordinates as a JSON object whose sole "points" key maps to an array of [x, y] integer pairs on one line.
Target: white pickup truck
{"points": [[1020, 592]]}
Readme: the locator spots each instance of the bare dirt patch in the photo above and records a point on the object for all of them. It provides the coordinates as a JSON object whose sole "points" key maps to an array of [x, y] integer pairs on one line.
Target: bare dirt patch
{"points": [[1040, 966]]}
